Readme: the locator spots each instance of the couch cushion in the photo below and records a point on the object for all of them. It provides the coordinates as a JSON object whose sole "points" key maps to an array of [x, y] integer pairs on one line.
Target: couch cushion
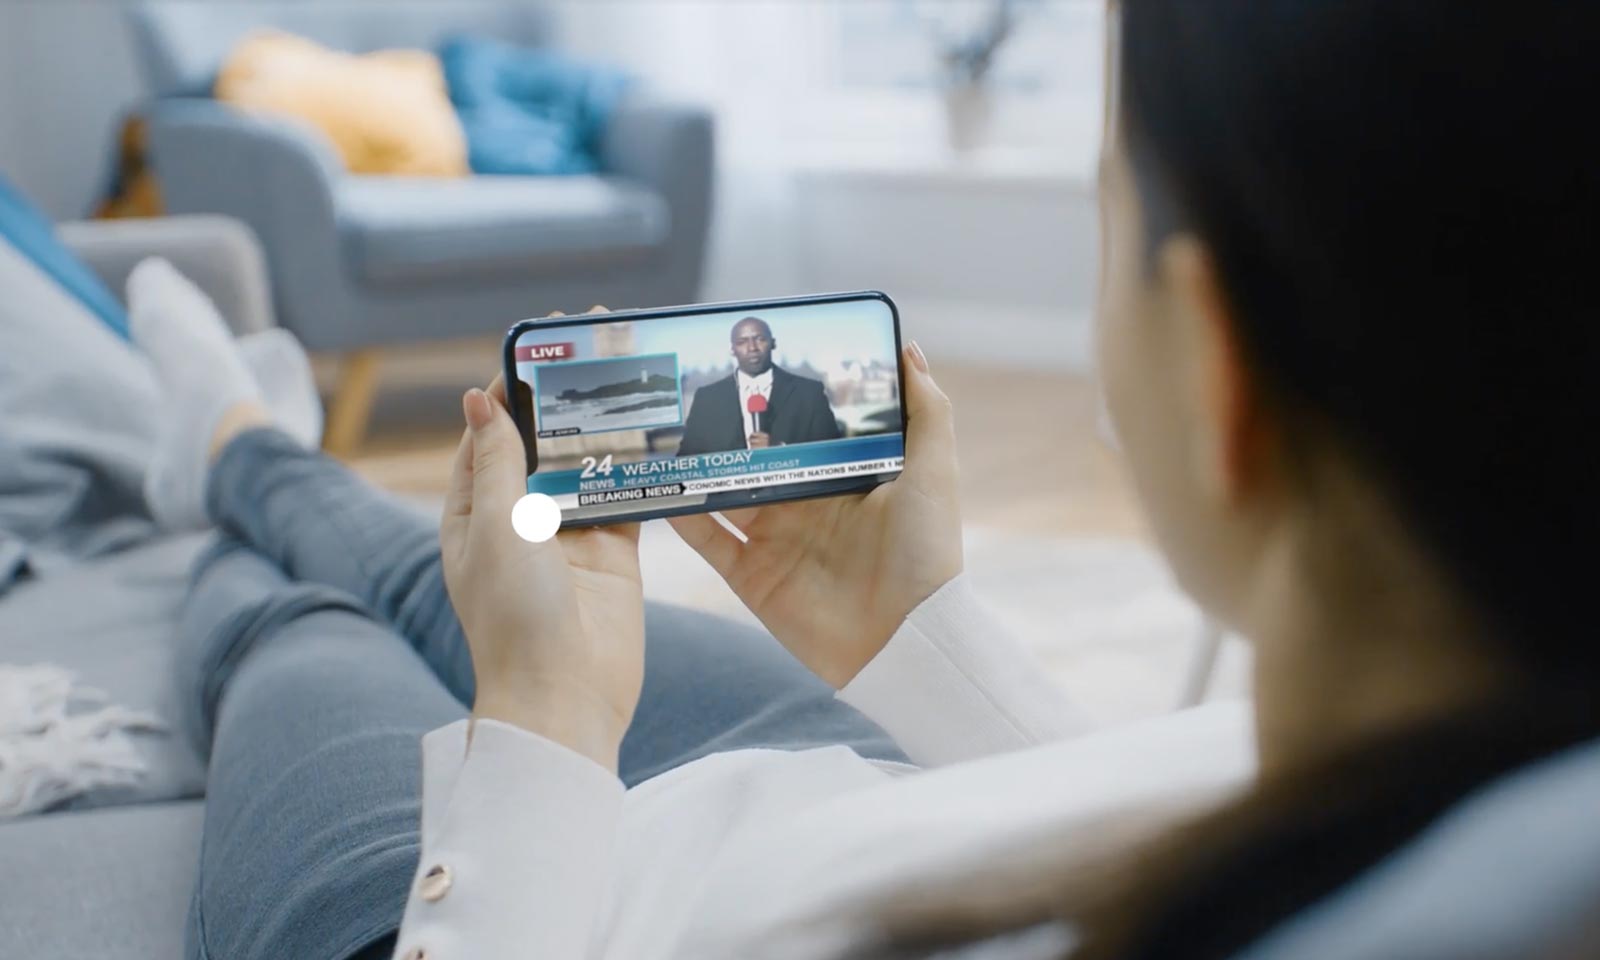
{"points": [[107, 883], [385, 112], [404, 229], [182, 43], [1512, 871], [112, 621]]}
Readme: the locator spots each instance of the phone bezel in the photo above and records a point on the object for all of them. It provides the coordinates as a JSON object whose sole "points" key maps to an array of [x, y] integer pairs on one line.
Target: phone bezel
{"points": [[515, 388]]}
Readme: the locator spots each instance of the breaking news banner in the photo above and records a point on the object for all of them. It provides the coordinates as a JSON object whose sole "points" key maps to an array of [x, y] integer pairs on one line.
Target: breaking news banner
{"points": [[648, 415], [603, 483]]}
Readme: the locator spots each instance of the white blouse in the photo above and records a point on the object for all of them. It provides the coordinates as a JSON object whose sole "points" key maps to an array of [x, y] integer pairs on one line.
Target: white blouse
{"points": [[532, 851]]}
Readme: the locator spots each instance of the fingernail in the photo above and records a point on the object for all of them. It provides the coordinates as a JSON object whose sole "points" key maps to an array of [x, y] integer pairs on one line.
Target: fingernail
{"points": [[918, 357], [476, 406]]}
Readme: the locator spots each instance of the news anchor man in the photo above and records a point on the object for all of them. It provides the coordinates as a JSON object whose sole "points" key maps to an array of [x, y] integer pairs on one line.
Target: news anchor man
{"points": [[760, 404]]}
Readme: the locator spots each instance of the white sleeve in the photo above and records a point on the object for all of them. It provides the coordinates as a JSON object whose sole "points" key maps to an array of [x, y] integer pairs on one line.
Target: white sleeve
{"points": [[516, 847], [952, 685]]}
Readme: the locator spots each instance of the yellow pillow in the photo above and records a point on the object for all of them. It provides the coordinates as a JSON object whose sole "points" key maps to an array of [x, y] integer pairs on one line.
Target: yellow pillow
{"points": [[386, 112]]}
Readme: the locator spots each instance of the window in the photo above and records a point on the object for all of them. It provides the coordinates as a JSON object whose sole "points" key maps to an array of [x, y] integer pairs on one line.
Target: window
{"points": [[1053, 45]]}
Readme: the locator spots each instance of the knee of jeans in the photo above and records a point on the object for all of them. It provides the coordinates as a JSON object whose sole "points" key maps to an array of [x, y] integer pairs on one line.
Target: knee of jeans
{"points": [[215, 553], [220, 642], [336, 901], [229, 570]]}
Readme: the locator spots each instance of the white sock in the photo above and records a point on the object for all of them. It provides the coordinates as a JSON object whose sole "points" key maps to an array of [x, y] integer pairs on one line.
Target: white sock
{"points": [[174, 486], [205, 372], [180, 332], [283, 374]]}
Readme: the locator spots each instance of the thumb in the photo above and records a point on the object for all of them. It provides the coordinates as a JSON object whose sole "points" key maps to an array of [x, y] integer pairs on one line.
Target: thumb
{"points": [[930, 430], [499, 461]]}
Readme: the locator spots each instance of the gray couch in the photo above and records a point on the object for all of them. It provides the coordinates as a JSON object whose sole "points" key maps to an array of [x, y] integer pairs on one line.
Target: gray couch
{"points": [[365, 262]]}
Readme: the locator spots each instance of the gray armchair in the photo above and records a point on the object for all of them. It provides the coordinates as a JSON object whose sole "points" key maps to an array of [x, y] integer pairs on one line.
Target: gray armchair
{"points": [[358, 263]]}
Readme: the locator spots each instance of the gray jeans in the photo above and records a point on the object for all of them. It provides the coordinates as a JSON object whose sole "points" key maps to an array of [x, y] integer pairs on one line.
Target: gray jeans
{"points": [[322, 647]]}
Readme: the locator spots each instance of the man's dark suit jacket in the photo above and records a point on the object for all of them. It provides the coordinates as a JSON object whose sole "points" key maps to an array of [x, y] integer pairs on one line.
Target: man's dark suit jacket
{"points": [[797, 412]]}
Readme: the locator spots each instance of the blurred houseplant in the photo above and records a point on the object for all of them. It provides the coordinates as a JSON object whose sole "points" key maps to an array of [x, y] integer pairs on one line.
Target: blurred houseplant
{"points": [[968, 60]]}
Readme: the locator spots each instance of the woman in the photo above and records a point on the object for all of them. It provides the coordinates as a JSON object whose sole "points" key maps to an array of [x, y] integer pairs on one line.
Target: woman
{"points": [[1347, 247]]}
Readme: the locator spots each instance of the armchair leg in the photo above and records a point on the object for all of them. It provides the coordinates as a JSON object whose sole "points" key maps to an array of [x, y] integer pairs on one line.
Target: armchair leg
{"points": [[352, 403]]}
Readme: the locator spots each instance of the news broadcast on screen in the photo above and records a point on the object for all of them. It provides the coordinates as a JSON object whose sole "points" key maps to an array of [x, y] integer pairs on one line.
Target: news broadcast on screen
{"points": [[728, 408]]}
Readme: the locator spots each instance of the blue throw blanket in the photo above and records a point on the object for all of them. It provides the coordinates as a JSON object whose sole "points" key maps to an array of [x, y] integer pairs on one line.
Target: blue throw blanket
{"points": [[31, 233], [529, 111]]}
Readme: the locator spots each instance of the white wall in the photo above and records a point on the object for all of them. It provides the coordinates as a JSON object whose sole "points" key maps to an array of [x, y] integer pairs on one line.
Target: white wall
{"points": [[10, 143], [823, 185], [68, 72]]}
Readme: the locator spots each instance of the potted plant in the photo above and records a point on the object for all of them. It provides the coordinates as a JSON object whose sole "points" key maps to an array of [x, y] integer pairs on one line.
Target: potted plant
{"points": [[967, 61]]}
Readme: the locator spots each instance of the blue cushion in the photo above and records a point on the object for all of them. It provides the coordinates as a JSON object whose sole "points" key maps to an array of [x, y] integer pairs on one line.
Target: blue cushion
{"points": [[32, 234], [401, 229], [529, 112]]}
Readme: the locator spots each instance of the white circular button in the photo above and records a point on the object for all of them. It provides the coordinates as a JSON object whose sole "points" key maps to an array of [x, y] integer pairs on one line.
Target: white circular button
{"points": [[436, 883], [536, 518]]}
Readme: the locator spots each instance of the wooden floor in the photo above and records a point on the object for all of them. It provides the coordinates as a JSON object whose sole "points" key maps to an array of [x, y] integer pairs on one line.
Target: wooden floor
{"points": [[1032, 459]]}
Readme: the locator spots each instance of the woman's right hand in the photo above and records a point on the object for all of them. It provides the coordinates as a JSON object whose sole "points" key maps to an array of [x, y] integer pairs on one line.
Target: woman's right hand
{"points": [[556, 629], [834, 578]]}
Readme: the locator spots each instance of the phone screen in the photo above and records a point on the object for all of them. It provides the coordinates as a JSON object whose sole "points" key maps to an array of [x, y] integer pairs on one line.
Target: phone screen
{"points": [[644, 414]]}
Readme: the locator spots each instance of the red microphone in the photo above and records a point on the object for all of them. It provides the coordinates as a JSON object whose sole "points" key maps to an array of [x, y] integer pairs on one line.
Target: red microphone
{"points": [[757, 405]]}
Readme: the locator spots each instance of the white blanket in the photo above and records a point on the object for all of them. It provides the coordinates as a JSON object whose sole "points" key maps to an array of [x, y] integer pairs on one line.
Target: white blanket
{"points": [[59, 739]]}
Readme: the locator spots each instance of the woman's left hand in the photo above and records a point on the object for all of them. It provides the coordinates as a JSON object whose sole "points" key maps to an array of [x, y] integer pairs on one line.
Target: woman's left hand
{"points": [[556, 629], [834, 578]]}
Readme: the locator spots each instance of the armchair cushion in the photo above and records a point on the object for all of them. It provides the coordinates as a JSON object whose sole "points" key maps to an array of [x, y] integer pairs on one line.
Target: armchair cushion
{"points": [[385, 111], [528, 111], [398, 230], [182, 44]]}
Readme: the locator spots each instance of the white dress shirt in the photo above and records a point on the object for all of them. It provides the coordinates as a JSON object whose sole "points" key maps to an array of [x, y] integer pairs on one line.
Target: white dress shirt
{"points": [[530, 850], [748, 387]]}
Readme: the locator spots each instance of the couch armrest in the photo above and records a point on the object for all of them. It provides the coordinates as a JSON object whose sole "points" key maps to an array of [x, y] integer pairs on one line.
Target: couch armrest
{"points": [[277, 175], [219, 254], [671, 147]]}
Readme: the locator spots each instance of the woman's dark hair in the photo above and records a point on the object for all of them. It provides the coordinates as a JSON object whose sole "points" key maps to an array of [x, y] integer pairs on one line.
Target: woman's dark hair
{"points": [[1396, 198], [1405, 223]]}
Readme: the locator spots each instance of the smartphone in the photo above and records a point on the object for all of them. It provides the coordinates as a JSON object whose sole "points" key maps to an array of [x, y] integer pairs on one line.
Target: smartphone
{"points": [[640, 414]]}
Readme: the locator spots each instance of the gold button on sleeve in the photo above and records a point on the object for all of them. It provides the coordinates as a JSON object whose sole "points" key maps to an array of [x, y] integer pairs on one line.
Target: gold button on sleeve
{"points": [[435, 883]]}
